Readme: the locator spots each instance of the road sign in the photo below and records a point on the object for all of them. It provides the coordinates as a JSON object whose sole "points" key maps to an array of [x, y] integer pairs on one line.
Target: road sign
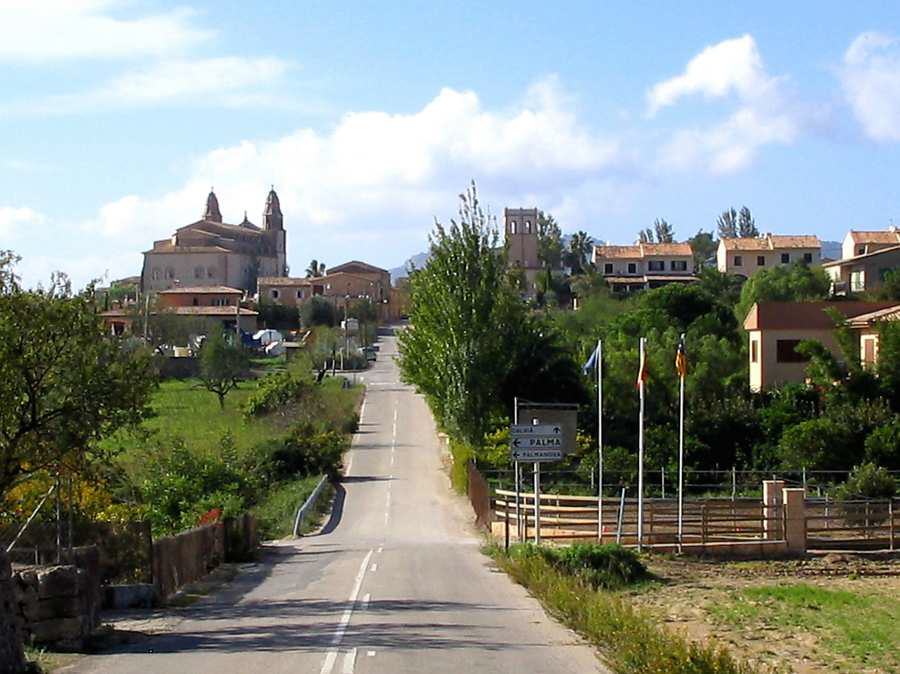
{"points": [[536, 455], [537, 442], [521, 430]]}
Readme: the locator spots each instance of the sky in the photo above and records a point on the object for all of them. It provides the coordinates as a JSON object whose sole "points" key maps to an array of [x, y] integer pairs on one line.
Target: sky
{"points": [[118, 116]]}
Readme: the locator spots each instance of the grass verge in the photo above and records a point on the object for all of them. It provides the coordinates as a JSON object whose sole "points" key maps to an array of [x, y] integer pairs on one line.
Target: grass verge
{"points": [[859, 627], [630, 640], [275, 513]]}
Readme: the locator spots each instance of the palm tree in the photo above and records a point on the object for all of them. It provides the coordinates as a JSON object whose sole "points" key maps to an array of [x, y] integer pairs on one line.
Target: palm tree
{"points": [[315, 269], [580, 246]]}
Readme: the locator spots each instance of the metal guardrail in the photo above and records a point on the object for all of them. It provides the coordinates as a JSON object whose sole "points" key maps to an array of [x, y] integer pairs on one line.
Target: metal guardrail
{"points": [[307, 506]]}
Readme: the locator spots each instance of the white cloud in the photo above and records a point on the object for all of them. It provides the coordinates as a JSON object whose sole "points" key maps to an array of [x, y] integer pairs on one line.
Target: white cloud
{"points": [[871, 81], [213, 81], [13, 219], [50, 30], [763, 115], [730, 66], [381, 174]]}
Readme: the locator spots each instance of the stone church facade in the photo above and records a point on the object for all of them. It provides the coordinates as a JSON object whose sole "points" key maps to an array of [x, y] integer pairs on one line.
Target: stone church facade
{"points": [[210, 252]]}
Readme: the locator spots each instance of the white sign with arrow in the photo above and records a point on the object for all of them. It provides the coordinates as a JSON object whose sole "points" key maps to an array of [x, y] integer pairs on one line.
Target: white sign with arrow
{"points": [[542, 442]]}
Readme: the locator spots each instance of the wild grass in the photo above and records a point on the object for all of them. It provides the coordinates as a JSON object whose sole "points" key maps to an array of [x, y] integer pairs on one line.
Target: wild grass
{"points": [[275, 513], [631, 641], [861, 627]]}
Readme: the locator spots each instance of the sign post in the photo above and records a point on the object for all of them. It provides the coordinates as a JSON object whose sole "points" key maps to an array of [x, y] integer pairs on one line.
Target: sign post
{"points": [[548, 437], [516, 467]]}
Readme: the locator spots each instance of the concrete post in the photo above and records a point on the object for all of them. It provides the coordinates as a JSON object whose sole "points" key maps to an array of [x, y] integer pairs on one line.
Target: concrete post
{"points": [[795, 520], [772, 502]]}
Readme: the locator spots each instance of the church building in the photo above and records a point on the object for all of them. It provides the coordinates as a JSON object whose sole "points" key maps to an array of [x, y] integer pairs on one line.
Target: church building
{"points": [[210, 252]]}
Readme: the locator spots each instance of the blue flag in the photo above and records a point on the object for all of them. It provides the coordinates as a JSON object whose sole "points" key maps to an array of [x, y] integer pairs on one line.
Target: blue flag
{"points": [[591, 362]]}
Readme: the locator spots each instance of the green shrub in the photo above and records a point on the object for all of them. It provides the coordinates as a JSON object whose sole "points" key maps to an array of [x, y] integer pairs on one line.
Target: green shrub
{"points": [[883, 445], [632, 641], [276, 390], [461, 453], [608, 566], [276, 511], [308, 451], [867, 481]]}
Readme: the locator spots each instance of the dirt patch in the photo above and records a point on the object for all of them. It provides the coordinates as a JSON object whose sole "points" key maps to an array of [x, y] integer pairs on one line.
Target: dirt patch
{"points": [[688, 593]]}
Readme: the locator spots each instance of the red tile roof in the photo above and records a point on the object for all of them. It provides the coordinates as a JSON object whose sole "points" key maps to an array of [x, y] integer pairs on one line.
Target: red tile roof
{"points": [[805, 315], [772, 242]]}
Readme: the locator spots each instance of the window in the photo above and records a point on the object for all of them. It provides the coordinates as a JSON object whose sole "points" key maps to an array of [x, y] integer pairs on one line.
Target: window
{"points": [[211, 272], [679, 265], [807, 258], [195, 301], [274, 294], [512, 226], [632, 268], [858, 280], [198, 272], [869, 356], [738, 261], [786, 351], [528, 226], [861, 250], [656, 265], [754, 351], [760, 260], [155, 274], [299, 294], [785, 258], [608, 268], [170, 273]]}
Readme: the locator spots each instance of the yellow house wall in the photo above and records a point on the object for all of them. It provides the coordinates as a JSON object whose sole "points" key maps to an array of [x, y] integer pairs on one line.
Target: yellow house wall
{"points": [[770, 372]]}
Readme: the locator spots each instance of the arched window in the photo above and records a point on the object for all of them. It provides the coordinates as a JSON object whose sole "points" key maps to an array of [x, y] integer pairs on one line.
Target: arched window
{"points": [[274, 294], [512, 226], [155, 274], [528, 226]]}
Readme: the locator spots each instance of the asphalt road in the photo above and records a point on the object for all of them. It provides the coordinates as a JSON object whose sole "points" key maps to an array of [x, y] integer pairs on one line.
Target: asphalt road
{"points": [[395, 582]]}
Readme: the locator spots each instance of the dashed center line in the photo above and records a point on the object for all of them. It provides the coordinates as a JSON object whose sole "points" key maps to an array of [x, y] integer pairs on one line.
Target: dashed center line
{"points": [[349, 661], [341, 629]]}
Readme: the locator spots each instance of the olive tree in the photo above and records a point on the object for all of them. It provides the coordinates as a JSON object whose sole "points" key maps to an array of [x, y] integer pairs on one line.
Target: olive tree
{"points": [[64, 382]]}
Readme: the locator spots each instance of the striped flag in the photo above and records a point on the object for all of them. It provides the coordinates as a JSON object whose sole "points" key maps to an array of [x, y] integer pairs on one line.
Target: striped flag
{"points": [[681, 363], [642, 371], [592, 361]]}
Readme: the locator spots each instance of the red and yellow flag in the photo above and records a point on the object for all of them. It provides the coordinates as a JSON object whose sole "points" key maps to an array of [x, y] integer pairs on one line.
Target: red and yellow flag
{"points": [[642, 371], [681, 364]]}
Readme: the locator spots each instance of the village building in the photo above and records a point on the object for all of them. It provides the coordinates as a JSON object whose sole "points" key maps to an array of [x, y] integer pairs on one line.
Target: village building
{"points": [[865, 272], [352, 280], [521, 238], [745, 256], [210, 306], [644, 265], [210, 252], [858, 242], [776, 329]]}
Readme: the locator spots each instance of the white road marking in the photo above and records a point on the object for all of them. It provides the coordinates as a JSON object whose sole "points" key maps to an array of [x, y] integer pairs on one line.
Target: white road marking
{"points": [[365, 602], [370, 654], [362, 409], [374, 568], [380, 549], [392, 458], [349, 661], [341, 629], [349, 465]]}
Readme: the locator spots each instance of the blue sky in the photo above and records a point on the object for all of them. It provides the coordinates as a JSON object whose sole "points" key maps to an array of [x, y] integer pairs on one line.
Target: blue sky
{"points": [[369, 118]]}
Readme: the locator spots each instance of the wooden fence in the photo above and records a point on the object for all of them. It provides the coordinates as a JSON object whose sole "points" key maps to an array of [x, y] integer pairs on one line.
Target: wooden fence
{"points": [[577, 517], [870, 524]]}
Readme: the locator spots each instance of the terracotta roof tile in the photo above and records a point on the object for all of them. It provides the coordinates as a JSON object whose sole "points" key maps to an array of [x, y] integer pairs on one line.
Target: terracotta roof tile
{"points": [[202, 290], [641, 250], [285, 281], [772, 242], [883, 236]]}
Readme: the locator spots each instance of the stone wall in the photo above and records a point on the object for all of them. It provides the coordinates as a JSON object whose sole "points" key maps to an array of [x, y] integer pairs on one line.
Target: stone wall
{"points": [[11, 659], [59, 604], [187, 557]]}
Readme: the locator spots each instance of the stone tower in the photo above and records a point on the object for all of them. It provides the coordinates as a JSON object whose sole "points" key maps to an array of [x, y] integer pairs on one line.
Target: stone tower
{"points": [[273, 225], [522, 237], [212, 213]]}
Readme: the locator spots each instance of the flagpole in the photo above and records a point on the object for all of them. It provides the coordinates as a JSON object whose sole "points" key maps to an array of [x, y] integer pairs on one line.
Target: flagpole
{"points": [[640, 505], [681, 456], [600, 440]]}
